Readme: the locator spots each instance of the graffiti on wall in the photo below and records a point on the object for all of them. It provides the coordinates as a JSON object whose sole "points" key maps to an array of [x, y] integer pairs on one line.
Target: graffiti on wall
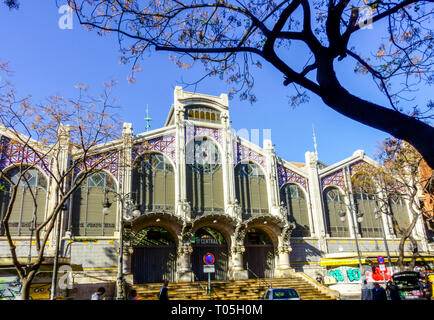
{"points": [[10, 288], [377, 274], [345, 275]]}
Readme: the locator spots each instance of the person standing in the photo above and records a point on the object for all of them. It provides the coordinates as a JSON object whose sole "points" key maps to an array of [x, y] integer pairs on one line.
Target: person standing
{"points": [[98, 294], [319, 278], [378, 293], [133, 295], [163, 296], [366, 291], [393, 291]]}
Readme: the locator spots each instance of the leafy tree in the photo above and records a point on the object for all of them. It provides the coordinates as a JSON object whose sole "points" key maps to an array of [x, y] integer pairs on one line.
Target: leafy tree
{"points": [[49, 132], [228, 38], [398, 177]]}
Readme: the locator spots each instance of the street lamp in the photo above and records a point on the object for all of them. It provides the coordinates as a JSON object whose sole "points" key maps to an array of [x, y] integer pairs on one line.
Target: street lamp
{"points": [[359, 216], [378, 217], [132, 211]]}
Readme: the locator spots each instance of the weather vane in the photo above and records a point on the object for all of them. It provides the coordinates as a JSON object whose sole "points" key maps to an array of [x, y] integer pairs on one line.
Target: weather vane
{"points": [[147, 119]]}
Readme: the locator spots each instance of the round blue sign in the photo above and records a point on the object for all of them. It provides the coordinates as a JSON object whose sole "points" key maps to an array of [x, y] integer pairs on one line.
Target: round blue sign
{"points": [[208, 258], [380, 260]]}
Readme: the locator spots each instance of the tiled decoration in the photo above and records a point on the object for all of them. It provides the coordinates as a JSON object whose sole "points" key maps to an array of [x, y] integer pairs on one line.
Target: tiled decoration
{"points": [[13, 152], [334, 179], [286, 175], [163, 144], [191, 132], [242, 153], [108, 161]]}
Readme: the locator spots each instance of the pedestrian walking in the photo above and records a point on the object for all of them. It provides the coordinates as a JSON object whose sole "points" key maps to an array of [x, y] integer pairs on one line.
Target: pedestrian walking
{"points": [[163, 295], [378, 293], [366, 291], [98, 294], [392, 290]]}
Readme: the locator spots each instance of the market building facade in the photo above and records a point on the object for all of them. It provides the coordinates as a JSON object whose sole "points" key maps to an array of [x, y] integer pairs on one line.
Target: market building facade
{"points": [[201, 189]]}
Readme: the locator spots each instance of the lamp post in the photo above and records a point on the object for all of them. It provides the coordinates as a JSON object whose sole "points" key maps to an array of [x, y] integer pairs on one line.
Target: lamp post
{"points": [[359, 216], [378, 217], [132, 211]]}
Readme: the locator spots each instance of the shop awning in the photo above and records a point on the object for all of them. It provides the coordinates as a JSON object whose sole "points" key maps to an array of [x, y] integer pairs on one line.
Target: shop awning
{"points": [[341, 262]]}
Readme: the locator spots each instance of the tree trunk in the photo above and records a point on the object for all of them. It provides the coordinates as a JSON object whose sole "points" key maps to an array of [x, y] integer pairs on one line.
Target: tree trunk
{"points": [[25, 290], [399, 125]]}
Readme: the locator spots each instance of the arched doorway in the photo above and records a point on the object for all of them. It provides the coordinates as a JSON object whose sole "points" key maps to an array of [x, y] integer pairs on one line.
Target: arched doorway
{"points": [[154, 256], [208, 240], [259, 254]]}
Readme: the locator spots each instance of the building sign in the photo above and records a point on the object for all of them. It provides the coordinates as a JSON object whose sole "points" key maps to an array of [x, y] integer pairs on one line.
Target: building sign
{"points": [[206, 241]]}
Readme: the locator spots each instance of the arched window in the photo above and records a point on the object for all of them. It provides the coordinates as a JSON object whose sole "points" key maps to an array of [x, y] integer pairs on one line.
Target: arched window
{"points": [[204, 176], [334, 204], [153, 183], [399, 211], [87, 208], [251, 189], [201, 113], [294, 199], [31, 195], [365, 203]]}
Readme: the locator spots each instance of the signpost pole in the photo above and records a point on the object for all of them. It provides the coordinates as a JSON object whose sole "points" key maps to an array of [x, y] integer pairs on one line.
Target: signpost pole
{"points": [[209, 285]]}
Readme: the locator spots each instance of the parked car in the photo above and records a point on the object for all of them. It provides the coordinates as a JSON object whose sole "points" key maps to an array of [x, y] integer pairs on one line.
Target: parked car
{"points": [[281, 294], [410, 286]]}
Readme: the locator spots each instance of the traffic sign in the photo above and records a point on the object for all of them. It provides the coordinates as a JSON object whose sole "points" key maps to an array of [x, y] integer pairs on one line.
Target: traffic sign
{"points": [[208, 268], [208, 258], [382, 267], [380, 260]]}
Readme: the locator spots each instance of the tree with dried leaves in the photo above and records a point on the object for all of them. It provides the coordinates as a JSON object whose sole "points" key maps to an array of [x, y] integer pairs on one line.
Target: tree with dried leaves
{"points": [[396, 180], [42, 148], [231, 37]]}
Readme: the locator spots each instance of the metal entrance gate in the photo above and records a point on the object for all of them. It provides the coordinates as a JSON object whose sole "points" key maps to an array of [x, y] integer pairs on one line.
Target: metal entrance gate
{"points": [[151, 264], [260, 259], [220, 253]]}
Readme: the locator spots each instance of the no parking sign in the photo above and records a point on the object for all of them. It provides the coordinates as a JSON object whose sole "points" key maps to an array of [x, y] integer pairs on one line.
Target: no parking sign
{"points": [[380, 259], [208, 258]]}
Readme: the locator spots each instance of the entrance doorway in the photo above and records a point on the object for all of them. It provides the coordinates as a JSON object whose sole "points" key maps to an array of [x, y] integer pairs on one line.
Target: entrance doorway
{"points": [[154, 256], [259, 254], [208, 240]]}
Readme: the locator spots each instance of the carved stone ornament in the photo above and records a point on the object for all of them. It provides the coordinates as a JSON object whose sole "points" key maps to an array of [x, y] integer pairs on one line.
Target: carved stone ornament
{"points": [[287, 231], [283, 249], [237, 249]]}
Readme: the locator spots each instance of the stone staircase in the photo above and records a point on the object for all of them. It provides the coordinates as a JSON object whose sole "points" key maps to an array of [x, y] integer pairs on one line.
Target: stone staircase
{"points": [[251, 289]]}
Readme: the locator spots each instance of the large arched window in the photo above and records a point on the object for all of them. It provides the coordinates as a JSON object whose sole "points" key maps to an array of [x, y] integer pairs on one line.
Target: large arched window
{"points": [[153, 184], [399, 211], [31, 195], [365, 203], [87, 208], [204, 176], [294, 199], [334, 204], [251, 189]]}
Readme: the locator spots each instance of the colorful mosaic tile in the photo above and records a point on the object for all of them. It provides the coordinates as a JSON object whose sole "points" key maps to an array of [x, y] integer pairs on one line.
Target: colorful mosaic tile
{"points": [[191, 132], [286, 175], [360, 166], [334, 179], [242, 153], [105, 161], [164, 144], [13, 152]]}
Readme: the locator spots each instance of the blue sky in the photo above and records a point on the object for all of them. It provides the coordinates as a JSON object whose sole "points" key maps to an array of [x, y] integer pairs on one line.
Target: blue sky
{"points": [[47, 60]]}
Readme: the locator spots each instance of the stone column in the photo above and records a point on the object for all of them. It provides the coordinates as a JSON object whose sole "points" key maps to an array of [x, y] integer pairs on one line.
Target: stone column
{"points": [[184, 272], [315, 196], [237, 270], [272, 182], [182, 206]]}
